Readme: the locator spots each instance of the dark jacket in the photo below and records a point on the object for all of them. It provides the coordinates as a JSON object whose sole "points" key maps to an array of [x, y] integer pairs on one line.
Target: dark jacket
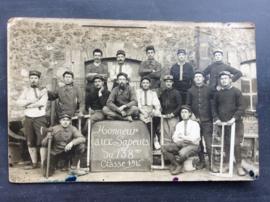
{"points": [[94, 101], [228, 104], [118, 98], [217, 67], [200, 101], [145, 70], [171, 102], [186, 83], [69, 99]]}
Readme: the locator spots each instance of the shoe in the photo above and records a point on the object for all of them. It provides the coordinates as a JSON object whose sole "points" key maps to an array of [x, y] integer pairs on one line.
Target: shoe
{"points": [[172, 168], [129, 118], [177, 170], [240, 171], [31, 167], [201, 166], [110, 118], [214, 169], [157, 145]]}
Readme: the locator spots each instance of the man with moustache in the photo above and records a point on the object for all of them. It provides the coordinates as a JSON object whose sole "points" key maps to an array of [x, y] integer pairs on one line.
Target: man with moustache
{"points": [[149, 106], [217, 67], [69, 97], [34, 101], [96, 100], [171, 102], [228, 107], [186, 139], [199, 98], [122, 102], [120, 67], [151, 68], [66, 142], [182, 73], [96, 68]]}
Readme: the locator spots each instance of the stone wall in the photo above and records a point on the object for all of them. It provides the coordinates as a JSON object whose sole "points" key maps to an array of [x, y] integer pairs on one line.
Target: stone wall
{"points": [[52, 47]]}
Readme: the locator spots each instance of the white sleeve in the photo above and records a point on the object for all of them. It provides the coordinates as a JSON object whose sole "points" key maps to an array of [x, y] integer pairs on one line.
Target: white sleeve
{"points": [[112, 73], [138, 98], [177, 132], [22, 100], [195, 132]]}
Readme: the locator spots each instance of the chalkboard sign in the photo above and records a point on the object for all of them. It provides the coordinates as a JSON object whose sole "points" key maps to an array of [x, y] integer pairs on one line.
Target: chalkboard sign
{"points": [[120, 146]]}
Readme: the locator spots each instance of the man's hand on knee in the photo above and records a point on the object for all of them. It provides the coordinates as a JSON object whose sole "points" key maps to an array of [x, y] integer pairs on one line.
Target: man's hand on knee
{"points": [[68, 146]]}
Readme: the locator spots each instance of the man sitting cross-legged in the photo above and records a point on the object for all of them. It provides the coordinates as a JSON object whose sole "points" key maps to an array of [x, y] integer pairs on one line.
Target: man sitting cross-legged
{"points": [[122, 102], [66, 142], [186, 141]]}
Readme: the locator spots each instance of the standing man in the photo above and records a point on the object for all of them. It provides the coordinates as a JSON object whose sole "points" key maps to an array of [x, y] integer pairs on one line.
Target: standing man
{"points": [[121, 67], [149, 106], [199, 98], [95, 68], [182, 73], [69, 96], [186, 140], [228, 107], [66, 142], [151, 68], [217, 67], [171, 102], [122, 103], [35, 102], [97, 98]]}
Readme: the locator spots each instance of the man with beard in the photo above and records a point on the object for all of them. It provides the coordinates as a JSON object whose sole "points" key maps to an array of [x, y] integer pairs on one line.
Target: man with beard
{"points": [[34, 102], [122, 103], [199, 98], [66, 142], [96, 68], [149, 106], [182, 73], [69, 96], [171, 102], [151, 68], [186, 140], [120, 67], [97, 98], [228, 107], [217, 67]]}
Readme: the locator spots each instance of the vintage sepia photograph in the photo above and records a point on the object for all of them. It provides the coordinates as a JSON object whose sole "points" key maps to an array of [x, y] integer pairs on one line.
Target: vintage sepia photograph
{"points": [[117, 100]]}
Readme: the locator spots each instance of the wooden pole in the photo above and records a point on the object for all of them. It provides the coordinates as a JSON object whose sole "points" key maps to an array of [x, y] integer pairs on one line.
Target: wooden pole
{"points": [[88, 140], [151, 143], [54, 81]]}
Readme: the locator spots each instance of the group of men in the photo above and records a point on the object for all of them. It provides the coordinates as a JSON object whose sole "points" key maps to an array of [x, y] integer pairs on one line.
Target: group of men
{"points": [[185, 96]]}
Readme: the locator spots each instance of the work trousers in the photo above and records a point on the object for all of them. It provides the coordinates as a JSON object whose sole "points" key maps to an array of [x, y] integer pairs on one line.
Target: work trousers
{"points": [[206, 133], [169, 128], [132, 111], [97, 116]]}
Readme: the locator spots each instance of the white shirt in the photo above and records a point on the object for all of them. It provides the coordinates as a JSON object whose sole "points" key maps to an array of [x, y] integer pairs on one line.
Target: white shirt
{"points": [[32, 110], [114, 70], [193, 132]]}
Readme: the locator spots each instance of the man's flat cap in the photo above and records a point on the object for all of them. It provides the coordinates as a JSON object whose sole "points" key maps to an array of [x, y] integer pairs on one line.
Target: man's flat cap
{"points": [[168, 77], [65, 116], [218, 51], [98, 77], [146, 77], [121, 52], [122, 74], [68, 72], [181, 51], [198, 72], [186, 107], [224, 73], [151, 47], [34, 72]]}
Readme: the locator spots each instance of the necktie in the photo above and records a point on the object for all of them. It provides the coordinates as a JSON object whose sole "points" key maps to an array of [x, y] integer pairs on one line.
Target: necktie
{"points": [[181, 72], [145, 97], [35, 90], [120, 68], [185, 128]]}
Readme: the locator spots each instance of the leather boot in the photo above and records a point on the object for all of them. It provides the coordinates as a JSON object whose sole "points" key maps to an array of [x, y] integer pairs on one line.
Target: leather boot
{"points": [[178, 168], [201, 166]]}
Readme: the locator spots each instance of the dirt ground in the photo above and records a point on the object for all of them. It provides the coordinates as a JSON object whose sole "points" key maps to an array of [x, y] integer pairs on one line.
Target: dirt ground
{"points": [[21, 175]]}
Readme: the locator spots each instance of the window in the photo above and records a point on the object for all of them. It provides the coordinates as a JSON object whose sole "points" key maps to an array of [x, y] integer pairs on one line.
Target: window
{"points": [[249, 84]]}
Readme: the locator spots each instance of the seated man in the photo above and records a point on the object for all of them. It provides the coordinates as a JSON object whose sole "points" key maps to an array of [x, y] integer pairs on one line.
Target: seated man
{"points": [[66, 142], [122, 103], [186, 140], [96, 100], [149, 106]]}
